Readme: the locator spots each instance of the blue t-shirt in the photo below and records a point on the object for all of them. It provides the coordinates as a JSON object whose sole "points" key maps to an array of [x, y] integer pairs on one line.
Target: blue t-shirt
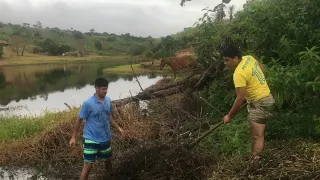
{"points": [[96, 114]]}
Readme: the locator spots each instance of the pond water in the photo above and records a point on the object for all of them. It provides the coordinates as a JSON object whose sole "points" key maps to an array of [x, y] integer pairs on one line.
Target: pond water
{"points": [[20, 174], [33, 89]]}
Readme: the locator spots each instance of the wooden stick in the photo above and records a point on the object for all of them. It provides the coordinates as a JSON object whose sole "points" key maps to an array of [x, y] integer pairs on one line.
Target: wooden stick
{"points": [[136, 77], [196, 141], [68, 106]]}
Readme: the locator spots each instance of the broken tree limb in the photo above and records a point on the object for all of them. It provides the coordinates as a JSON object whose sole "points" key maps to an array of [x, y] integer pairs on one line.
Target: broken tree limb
{"points": [[172, 85], [68, 106], [196, 141], [209, 74], [134, 74], [146, 96], [189, 84]]}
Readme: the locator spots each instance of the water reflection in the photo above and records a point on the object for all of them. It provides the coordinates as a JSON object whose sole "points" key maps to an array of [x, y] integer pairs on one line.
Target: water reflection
{"points": [[20, 174], [49, 86]]}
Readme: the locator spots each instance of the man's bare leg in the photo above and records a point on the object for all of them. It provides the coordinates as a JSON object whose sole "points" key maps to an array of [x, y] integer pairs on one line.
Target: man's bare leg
{"points": [[85, 171], [257, 133], [108, 167]]}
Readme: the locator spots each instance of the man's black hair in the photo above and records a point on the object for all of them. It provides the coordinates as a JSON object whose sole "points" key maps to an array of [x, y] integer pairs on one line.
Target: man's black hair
{"points": [[232, 51], [101, 82]]}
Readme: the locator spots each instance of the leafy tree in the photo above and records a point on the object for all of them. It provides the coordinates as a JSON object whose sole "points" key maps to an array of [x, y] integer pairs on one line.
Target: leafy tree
{"points": [[25, 25], [92, 31], [38, 25], [231, 12], [49, 45], [81, 46], [1, 51], [17, 43], [78, 34], [98, 45]]}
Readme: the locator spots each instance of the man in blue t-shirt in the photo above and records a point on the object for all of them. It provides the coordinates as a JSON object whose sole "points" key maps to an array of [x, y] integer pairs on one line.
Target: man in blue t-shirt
{"points": [[96, 135]]}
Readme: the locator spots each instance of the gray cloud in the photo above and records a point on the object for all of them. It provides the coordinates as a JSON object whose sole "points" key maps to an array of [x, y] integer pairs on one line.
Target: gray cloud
{"points": [[137, 17]]}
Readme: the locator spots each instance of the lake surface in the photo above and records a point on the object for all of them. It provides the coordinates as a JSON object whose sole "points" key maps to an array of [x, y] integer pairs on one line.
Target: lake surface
{"points": [[20, 174], [30, 90]]}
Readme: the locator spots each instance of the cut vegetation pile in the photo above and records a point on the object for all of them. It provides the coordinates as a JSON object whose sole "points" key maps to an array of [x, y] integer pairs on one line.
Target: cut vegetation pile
{"points": [[152, 148], [141, 149]]}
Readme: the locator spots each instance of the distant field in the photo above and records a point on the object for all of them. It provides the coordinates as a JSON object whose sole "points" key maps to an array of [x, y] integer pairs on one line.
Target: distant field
{"points": [[10, 58], [138, 68]]}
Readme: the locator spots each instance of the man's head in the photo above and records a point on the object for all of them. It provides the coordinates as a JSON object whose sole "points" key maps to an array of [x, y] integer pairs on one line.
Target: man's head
{"points": [[231, 56], [101, 86]]}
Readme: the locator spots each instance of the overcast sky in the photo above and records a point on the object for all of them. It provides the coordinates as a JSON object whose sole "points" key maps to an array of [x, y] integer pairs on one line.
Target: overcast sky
{"points": [[137, 17]]}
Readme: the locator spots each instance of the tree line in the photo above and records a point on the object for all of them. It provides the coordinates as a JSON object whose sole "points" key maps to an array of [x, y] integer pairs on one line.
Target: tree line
{"points": [[54, 41]]}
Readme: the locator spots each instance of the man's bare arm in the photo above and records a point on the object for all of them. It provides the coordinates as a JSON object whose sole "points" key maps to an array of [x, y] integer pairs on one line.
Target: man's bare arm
{"points": [[76, 127], [114, 124], [241, 92]]}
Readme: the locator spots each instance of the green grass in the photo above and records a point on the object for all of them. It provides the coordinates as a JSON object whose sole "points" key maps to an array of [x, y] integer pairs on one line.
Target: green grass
{"points": [[126, 69], [13, 128], [232, 139], [10, 59]]}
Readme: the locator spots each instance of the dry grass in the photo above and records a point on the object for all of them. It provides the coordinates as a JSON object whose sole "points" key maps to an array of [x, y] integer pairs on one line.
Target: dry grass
{"points": [[294, 159], [48, 145], [11, 59]]}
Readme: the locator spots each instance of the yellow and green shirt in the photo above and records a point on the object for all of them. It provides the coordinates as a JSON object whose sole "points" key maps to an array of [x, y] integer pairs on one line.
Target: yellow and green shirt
{"points": [[249, 74]]}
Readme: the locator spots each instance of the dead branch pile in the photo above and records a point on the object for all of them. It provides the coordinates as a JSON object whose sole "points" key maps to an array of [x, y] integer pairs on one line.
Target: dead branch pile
{"points": [[190, 84], [51, 147], [163, 162], [295, 159]]}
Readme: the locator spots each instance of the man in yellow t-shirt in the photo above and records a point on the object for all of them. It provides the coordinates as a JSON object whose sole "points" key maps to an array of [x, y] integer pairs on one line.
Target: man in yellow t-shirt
{"points": [[250, 85]]}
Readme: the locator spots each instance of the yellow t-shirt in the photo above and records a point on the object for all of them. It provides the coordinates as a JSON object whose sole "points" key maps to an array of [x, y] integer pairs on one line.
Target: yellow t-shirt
{"points": [[248, 73]]}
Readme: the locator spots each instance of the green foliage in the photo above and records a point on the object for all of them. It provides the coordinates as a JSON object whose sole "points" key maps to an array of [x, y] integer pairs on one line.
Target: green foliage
{"points": [[284, 35], [1, 51], [14, 128], [289, 27], [138, 49], [49, 45], [232, 139], [301, 81], [98, 45], [92, 42]]}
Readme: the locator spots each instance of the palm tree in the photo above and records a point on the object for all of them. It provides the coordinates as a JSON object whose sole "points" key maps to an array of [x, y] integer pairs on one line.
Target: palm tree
{"points": [[231, 12]]}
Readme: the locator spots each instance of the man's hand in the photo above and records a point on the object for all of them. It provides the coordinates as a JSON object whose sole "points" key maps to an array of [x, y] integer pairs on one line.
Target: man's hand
{"points": [[120, 130], [72, 142], [227, 119]]}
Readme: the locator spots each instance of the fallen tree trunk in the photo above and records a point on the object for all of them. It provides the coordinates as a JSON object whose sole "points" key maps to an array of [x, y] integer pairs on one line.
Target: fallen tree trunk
{"points": [[159, 93], [190, 84]]}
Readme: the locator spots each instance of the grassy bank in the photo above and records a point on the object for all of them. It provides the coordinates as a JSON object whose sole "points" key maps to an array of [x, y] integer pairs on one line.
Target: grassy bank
{"points": [[126, 69], [11, 59], [138, 69], [15, 128], [141, 68]]}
